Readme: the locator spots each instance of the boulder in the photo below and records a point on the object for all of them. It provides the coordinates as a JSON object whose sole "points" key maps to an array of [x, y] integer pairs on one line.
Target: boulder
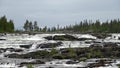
{"points": [[13, 55], [2, 50], [71, 62], [83, 39], [14, 50], [110, 45], [33, 62], [62, 37], [96, 46], [10, 49], [26, 46], [101, 35], [50, 45], [34, 55], [49, 38], [2, 39], [65, 37]]}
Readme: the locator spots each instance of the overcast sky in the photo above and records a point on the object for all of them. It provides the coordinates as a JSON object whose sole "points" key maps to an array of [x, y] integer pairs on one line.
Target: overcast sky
{"points": [[62, 12]]}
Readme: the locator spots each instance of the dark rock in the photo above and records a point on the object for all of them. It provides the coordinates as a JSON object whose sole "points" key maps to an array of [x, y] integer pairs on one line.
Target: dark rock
{"points": [[64, 51], [83, 39], [13, 55], [2, 34], [2, 50], [99, 63], [26, 46], [50, 45], [34, 62], [58, 56], [62, 37], [101, 35], [36, 54], [18, 50], [49, 67], [40, 62], [49, 38], [71, 62], [10, 49], [14, 50], [96, 46], [2, 39], [110, 45]]}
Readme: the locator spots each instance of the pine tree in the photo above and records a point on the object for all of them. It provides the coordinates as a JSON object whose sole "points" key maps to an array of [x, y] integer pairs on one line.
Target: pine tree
{"points": [[44, 29], [11, 26], [26, 25], [36, 28], [31, 26], [6, 26]]}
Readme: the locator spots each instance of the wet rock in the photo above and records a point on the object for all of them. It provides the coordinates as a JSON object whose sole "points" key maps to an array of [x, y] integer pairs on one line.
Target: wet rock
{"points": [[13, 55], [64, 51], [34, 55], [2, 39], [99, 63], [49, 67], [34, 62], [2, 50], [10, 49], [71, 62], [58, 56], [26, 46], [14, 50], [62, 37], [101, 35], [2, 34], [96, 46], [49, 38], [50, 45], [110, 45], [83, 39]]}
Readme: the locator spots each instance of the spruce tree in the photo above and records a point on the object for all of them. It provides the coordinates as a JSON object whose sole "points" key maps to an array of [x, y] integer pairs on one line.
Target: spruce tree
{"points": [[35, 26]]}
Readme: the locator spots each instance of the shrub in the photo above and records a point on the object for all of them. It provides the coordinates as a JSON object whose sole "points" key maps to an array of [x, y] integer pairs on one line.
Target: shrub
{"points": [[29, 66]]}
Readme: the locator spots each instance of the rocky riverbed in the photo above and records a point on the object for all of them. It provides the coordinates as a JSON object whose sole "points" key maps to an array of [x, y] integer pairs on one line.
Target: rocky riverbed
{"points": [[60, 50]]}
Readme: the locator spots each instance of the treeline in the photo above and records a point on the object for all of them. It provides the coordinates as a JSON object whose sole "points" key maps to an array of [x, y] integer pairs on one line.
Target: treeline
{"points": [[85, 26], [30, 26], [6, 26], [112, 26]]}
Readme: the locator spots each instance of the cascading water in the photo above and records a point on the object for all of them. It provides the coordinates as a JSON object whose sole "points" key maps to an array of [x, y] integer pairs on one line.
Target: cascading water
{"points": [[34, 46], [13, 42]]}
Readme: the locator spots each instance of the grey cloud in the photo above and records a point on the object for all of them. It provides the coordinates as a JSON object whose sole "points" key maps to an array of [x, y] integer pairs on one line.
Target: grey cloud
{"points": [[63, 12]]}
